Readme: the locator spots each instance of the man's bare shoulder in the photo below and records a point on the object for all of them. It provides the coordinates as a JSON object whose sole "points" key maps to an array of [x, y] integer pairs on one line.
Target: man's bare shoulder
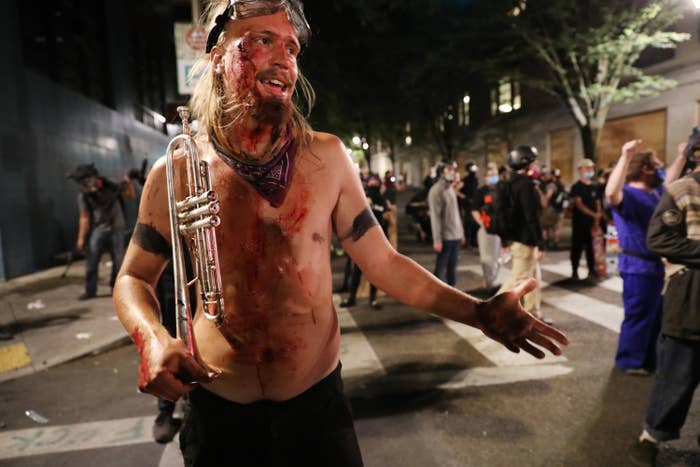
{"points": [[327, 146]]}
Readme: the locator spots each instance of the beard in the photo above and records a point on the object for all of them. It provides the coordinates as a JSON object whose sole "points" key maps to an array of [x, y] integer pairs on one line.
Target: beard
{"points": [[264, 111], [271, 111]]}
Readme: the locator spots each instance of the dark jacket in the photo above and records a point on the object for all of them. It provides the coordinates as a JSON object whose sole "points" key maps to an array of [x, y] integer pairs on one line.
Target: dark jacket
{"points": [[527, 211], [674, 233]]}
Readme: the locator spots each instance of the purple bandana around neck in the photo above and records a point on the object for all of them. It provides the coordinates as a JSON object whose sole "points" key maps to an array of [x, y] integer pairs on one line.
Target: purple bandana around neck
{"points": [[271, 179]]}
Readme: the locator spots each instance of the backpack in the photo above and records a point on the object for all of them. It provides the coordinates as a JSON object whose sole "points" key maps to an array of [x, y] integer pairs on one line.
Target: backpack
{"points": [[504, 215]]}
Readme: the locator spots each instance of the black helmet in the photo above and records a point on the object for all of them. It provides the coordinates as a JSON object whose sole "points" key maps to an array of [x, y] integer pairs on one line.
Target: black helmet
{"points": [[521, 156]]}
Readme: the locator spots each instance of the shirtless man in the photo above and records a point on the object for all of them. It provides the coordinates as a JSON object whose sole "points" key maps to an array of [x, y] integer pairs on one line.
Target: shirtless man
{"points": [[275, 396]]}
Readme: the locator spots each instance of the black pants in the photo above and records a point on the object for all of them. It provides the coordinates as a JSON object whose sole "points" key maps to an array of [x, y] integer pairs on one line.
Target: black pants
{"points": [[355, 284], [581, 240], [314, 428]]}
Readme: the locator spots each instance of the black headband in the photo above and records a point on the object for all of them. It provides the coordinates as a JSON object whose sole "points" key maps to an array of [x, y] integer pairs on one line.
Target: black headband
{"points": [[215, 32]]}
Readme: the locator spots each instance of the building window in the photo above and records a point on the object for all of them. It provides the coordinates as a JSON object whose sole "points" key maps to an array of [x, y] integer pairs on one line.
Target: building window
{"points": [[505, 97], [67, 44]]}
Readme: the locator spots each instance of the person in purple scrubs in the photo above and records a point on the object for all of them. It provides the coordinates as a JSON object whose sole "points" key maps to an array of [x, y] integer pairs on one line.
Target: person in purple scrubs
{"points": [[633, 190]]}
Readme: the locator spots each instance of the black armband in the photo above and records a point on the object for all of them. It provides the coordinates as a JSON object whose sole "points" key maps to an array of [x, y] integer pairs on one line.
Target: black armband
{"points": [[151, 240], [364, 221]]}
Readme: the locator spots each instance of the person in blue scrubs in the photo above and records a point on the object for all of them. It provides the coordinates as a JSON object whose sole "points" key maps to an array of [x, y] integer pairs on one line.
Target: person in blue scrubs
{"points": [[633, 190]]}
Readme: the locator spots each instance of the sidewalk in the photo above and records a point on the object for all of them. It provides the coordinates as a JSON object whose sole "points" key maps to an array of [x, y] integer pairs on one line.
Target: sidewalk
{"points": [[49, 324]]}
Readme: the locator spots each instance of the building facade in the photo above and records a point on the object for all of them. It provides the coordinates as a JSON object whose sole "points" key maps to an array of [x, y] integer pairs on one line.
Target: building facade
{"points": [[84, 81]]}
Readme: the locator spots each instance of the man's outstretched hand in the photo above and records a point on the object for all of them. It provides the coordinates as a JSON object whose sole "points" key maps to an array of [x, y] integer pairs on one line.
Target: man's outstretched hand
{"points": [[503, 319]]}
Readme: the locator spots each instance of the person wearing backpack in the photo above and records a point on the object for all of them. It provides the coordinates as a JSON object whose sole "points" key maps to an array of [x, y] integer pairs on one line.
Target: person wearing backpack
{"points": [[482, 212], [518, 212]]}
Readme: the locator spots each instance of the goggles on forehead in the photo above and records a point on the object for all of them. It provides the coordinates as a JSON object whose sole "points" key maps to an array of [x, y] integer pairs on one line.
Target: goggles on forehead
{"points": [[241, 9]]}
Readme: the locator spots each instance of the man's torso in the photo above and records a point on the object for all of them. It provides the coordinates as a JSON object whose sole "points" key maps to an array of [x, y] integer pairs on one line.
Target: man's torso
{"points": [[105, 207], [443, 196], [631, 220], [280, 333], [589, 195]]}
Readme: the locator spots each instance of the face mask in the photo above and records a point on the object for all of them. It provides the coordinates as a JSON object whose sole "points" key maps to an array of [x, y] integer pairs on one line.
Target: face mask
{"points": [[450, 177], [661, 174], [588, 175], [492, 179]]}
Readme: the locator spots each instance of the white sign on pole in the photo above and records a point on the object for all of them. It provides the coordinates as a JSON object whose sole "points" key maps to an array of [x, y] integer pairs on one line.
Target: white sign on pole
{"points": [[190, 41]]}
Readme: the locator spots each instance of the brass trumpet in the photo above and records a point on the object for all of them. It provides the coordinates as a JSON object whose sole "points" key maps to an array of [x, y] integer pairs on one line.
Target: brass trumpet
{"points": [[194, 218]]}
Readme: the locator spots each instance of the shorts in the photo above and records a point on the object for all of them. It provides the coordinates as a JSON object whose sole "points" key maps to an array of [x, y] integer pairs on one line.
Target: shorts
{"points": [[314, 428], [550, 218]]}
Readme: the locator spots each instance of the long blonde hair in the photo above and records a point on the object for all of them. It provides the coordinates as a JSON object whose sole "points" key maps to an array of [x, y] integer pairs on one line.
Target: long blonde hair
{"points": [[209, 102]]}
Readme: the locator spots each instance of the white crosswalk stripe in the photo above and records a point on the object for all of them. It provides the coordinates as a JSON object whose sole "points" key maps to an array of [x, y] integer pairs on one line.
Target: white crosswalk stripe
{"points": [[584, 306]]}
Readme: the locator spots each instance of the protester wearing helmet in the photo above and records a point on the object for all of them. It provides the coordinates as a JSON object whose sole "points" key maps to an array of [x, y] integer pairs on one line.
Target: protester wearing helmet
{"points": [[526, 237]]}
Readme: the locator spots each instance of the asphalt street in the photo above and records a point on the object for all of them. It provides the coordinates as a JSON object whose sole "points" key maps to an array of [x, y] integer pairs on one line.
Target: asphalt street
{"points": [[425, 392]]}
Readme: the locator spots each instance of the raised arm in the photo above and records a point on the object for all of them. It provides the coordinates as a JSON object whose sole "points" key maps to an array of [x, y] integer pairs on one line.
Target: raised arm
{"points": [[501, 318], [673, 172], [167, 367], [613, 190]]}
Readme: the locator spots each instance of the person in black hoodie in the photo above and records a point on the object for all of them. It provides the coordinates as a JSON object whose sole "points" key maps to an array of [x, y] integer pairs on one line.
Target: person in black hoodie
{"points": [[527, 240]]}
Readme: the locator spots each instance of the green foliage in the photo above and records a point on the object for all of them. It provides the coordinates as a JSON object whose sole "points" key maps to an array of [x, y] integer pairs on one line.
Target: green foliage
{"points": [[590, 49], [377, 64]]}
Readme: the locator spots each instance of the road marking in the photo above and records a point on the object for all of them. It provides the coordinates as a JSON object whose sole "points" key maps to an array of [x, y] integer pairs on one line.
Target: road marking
{"points": [[356, 353], [77, 437], [597, 311], [563, 268], [489, 376], [172, 456], [494, 351], [13, 357]]}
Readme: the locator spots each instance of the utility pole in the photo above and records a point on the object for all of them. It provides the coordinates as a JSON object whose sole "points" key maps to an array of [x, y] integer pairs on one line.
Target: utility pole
{"points": [[196, 11]]}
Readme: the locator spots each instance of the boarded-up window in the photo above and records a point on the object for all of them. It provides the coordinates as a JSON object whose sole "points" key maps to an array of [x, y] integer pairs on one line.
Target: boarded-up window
{"points": [[649, 127], [561, 153]]}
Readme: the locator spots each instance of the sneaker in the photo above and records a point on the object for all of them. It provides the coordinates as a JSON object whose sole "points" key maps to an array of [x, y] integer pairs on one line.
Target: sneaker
{"points": [[165, 427], [5, 335], [638, 372], [347, 303], [375, 305], [643, 453], [87, 296], [592, 278]]}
